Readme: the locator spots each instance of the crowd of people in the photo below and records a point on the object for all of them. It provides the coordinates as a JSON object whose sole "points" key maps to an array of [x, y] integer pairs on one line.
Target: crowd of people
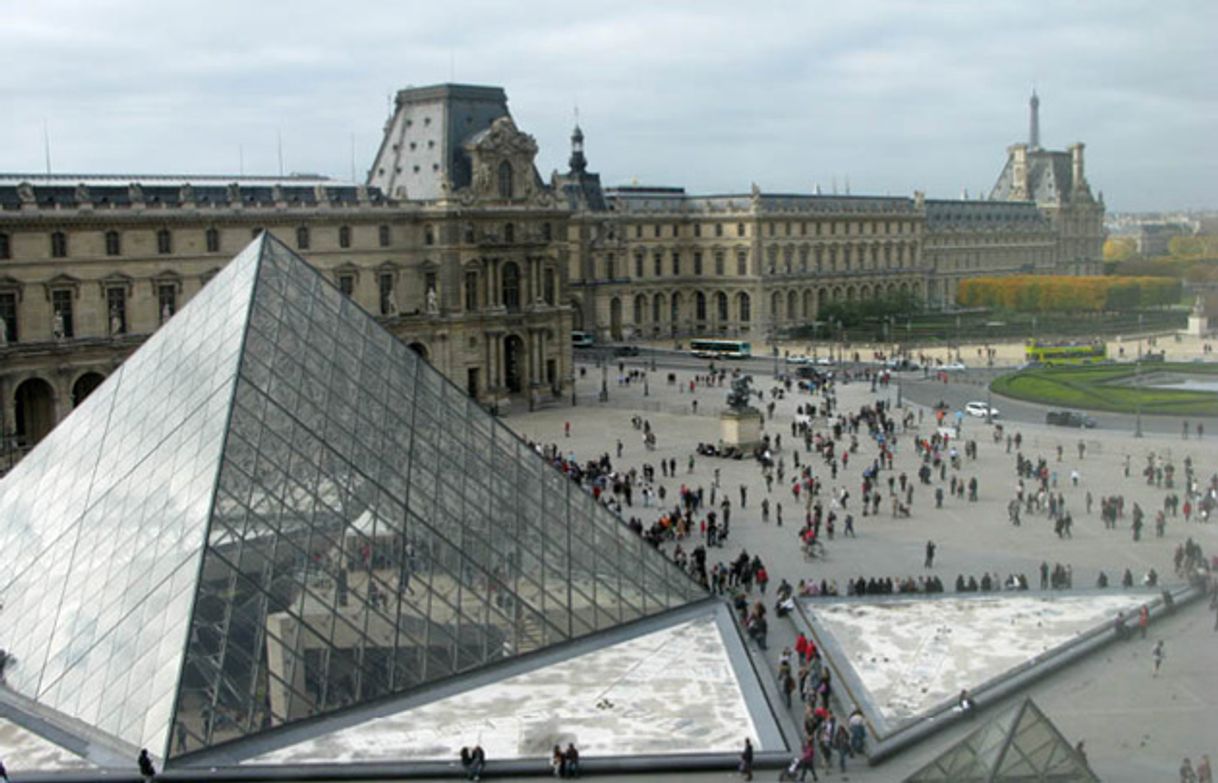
{"points": [[840, 466]]}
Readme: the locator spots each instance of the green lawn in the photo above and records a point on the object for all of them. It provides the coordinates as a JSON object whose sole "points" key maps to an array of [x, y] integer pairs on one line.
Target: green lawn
{"points": [[1103, 388]]}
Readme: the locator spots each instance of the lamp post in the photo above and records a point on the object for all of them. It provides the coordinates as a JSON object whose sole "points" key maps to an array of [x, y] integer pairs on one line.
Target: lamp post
{"points": [[604, 396], [574, 398], [899, 404], [989, 407], [646, 387], [1137, 396]]}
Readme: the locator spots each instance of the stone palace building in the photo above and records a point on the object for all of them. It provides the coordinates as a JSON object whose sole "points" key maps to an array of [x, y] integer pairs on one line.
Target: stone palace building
{"points": [[459, 247]]}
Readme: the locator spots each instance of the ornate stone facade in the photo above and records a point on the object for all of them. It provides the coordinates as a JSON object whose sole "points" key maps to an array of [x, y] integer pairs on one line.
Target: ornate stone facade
{"points": [[472, 277], [657, 262]]}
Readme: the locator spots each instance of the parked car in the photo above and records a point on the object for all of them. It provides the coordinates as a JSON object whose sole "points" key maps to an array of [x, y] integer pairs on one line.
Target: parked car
{"points": [[980, 410], [626, 350], [952, 367], [1069, 419]]}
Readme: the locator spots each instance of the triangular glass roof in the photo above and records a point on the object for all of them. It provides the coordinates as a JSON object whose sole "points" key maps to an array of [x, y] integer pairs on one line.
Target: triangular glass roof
{"points": [[1021, 744], [275, 510]]}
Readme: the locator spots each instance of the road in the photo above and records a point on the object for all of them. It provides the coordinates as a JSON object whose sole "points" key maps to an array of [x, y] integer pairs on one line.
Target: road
{"points": [[961, 388]]}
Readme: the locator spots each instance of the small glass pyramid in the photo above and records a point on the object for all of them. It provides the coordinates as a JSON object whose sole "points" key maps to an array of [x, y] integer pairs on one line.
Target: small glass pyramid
{"points": [[1018, 745], [275, 510]]}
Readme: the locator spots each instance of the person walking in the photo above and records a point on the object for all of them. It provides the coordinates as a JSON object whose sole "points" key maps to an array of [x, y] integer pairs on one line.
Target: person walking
{"points": [[746, 760], [1204, 773], [930, 554], [1157, 655]]}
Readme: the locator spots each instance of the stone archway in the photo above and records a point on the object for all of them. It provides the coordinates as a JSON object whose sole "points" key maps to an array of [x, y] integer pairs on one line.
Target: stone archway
{"points": [[35, 411], [514, 370], [420, 349], [84, 386]]}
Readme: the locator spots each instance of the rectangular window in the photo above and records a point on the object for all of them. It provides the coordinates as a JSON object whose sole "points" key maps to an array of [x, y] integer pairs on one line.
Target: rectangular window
{"points": [[742, 263], [382, 234], [658, 264], [59, 245], [657, 229], [719, 262], [344, 236], [302, 237], [697, 263], [116, 310], [610, 267], [346, 284], [113, 245], [8, 317], [164, 242], [6, 249], [61, 305], [213, 240], [167, 301], [638, 232], [676, 264], [718, 229], [384, 289], [638, 265], [739, 229], [697, 229]]}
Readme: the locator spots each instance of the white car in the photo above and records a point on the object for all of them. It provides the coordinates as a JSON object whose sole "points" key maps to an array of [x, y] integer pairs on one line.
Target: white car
{"points": [[799, 359], [952, 367], [980, 410]]}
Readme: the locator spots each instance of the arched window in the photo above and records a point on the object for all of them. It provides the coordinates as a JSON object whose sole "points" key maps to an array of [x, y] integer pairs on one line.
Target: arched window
{"points": [[511, 286], [640, 304], [505, 180], [471, 290], [744, 306], [113, 244], [721, 305], [700, 306]]}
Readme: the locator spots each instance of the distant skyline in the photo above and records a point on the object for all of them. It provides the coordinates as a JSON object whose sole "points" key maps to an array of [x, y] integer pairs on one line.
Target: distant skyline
{"points": [[711, 96]]}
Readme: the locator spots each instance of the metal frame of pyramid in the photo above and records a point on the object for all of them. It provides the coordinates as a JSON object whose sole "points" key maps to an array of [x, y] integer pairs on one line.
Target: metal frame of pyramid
{"points": [[275, 511], [1021, 744]]}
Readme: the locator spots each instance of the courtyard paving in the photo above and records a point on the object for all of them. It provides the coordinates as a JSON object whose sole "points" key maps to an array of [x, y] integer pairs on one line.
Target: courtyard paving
{"points": [[1135, 727]]}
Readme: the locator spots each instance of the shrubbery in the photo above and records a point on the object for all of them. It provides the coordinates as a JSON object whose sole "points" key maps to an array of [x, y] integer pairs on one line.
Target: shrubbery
{"points": [[1067, 293]]}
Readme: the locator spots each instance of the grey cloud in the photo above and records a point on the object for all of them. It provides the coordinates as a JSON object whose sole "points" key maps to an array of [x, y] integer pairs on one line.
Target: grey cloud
{"points": [[711, 95]]}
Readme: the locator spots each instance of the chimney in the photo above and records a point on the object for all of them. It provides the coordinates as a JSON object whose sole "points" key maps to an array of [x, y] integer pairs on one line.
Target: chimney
{"points": [[1076, 166], [1019, 171]]}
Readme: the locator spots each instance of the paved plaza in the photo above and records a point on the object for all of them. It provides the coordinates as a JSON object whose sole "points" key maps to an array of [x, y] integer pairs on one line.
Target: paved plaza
{"points": [[1135, 727]]}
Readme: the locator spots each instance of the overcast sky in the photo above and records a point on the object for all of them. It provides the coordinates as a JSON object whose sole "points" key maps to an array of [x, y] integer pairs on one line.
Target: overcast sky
{"points": [[710, 95]]}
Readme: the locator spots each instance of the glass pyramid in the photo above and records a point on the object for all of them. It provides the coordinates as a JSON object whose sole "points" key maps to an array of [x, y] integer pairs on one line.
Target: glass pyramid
{"points": [[274, 510], [1019, 745]]}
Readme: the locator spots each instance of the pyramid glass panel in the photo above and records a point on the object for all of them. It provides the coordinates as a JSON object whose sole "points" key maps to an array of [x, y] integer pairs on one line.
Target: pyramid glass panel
{"points": [[275, 510], [105, 521], [1020, 744], [374, 529]]}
